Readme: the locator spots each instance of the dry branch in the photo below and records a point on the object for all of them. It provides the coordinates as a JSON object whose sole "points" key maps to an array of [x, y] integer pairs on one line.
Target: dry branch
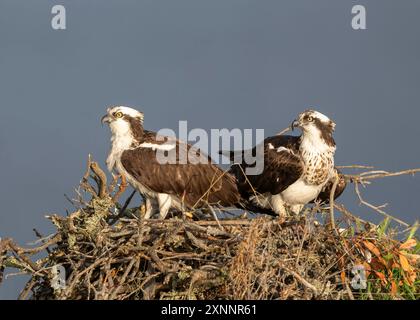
{"points": [[366, 177]]}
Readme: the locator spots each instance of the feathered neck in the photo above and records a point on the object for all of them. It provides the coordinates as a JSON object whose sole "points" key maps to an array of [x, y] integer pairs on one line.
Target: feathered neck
{"points": [[315, 141], [125, 134]]}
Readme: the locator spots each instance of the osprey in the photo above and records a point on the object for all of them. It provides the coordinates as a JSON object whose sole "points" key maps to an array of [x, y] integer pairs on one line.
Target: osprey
{"points": [[181, 185], [297, 169]]}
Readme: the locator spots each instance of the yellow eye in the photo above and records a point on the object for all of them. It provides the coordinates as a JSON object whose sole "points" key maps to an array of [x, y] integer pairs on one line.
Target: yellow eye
{"points": [[310, 118], [118, 114]]}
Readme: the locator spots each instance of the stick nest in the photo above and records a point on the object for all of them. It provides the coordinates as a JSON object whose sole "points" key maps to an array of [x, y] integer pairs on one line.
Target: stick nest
{"points": [[263, 258]]}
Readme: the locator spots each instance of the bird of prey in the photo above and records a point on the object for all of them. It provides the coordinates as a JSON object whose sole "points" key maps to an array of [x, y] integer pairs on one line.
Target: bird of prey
{"points": [[297, 169], [180, 184]]}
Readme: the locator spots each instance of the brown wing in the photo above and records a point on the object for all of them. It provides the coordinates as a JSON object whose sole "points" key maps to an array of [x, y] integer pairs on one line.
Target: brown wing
{"points": [[282, 167], [196, 184]]}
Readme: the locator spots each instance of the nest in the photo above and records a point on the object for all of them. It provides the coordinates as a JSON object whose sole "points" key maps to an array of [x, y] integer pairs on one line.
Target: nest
{"points": [[106, 255]]}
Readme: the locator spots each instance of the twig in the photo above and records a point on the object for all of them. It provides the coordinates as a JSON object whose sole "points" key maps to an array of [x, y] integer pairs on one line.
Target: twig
{"points": [[215, 217], [284, 131], [373, 175], [332, 196], [41, 237], [102, 182], [355, 166], [121, 212], [376, 208], [301, 279]]}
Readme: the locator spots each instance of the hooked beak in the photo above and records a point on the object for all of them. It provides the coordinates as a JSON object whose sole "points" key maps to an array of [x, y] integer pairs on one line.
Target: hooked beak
{"points": [[294, 124], [106, 119]]}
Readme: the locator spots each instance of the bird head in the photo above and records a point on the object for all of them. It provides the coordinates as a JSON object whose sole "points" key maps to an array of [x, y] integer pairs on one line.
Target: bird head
{"points": [[314, 123], [122, 119]]}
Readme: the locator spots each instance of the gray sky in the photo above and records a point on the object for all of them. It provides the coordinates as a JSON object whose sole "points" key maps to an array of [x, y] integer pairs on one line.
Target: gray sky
{"points": [[219, 63]]}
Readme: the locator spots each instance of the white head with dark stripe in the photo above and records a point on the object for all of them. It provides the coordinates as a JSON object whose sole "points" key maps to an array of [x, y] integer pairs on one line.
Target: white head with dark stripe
{"points": [[125, 123], [315, 126], [126, 131]]}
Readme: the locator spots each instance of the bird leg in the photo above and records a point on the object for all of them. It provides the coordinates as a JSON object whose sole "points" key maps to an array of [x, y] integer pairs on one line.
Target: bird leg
{"points": [[149, 208], [296, 209], [165, 202], [278, 206]]}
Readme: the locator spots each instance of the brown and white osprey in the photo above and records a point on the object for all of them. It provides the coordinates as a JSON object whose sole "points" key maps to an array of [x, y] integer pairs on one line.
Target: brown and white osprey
{"points": [[297, 169], [180, 185]]}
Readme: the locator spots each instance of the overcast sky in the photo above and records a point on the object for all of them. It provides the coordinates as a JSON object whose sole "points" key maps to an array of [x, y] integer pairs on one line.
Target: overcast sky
{"points": [[215, 63]]}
